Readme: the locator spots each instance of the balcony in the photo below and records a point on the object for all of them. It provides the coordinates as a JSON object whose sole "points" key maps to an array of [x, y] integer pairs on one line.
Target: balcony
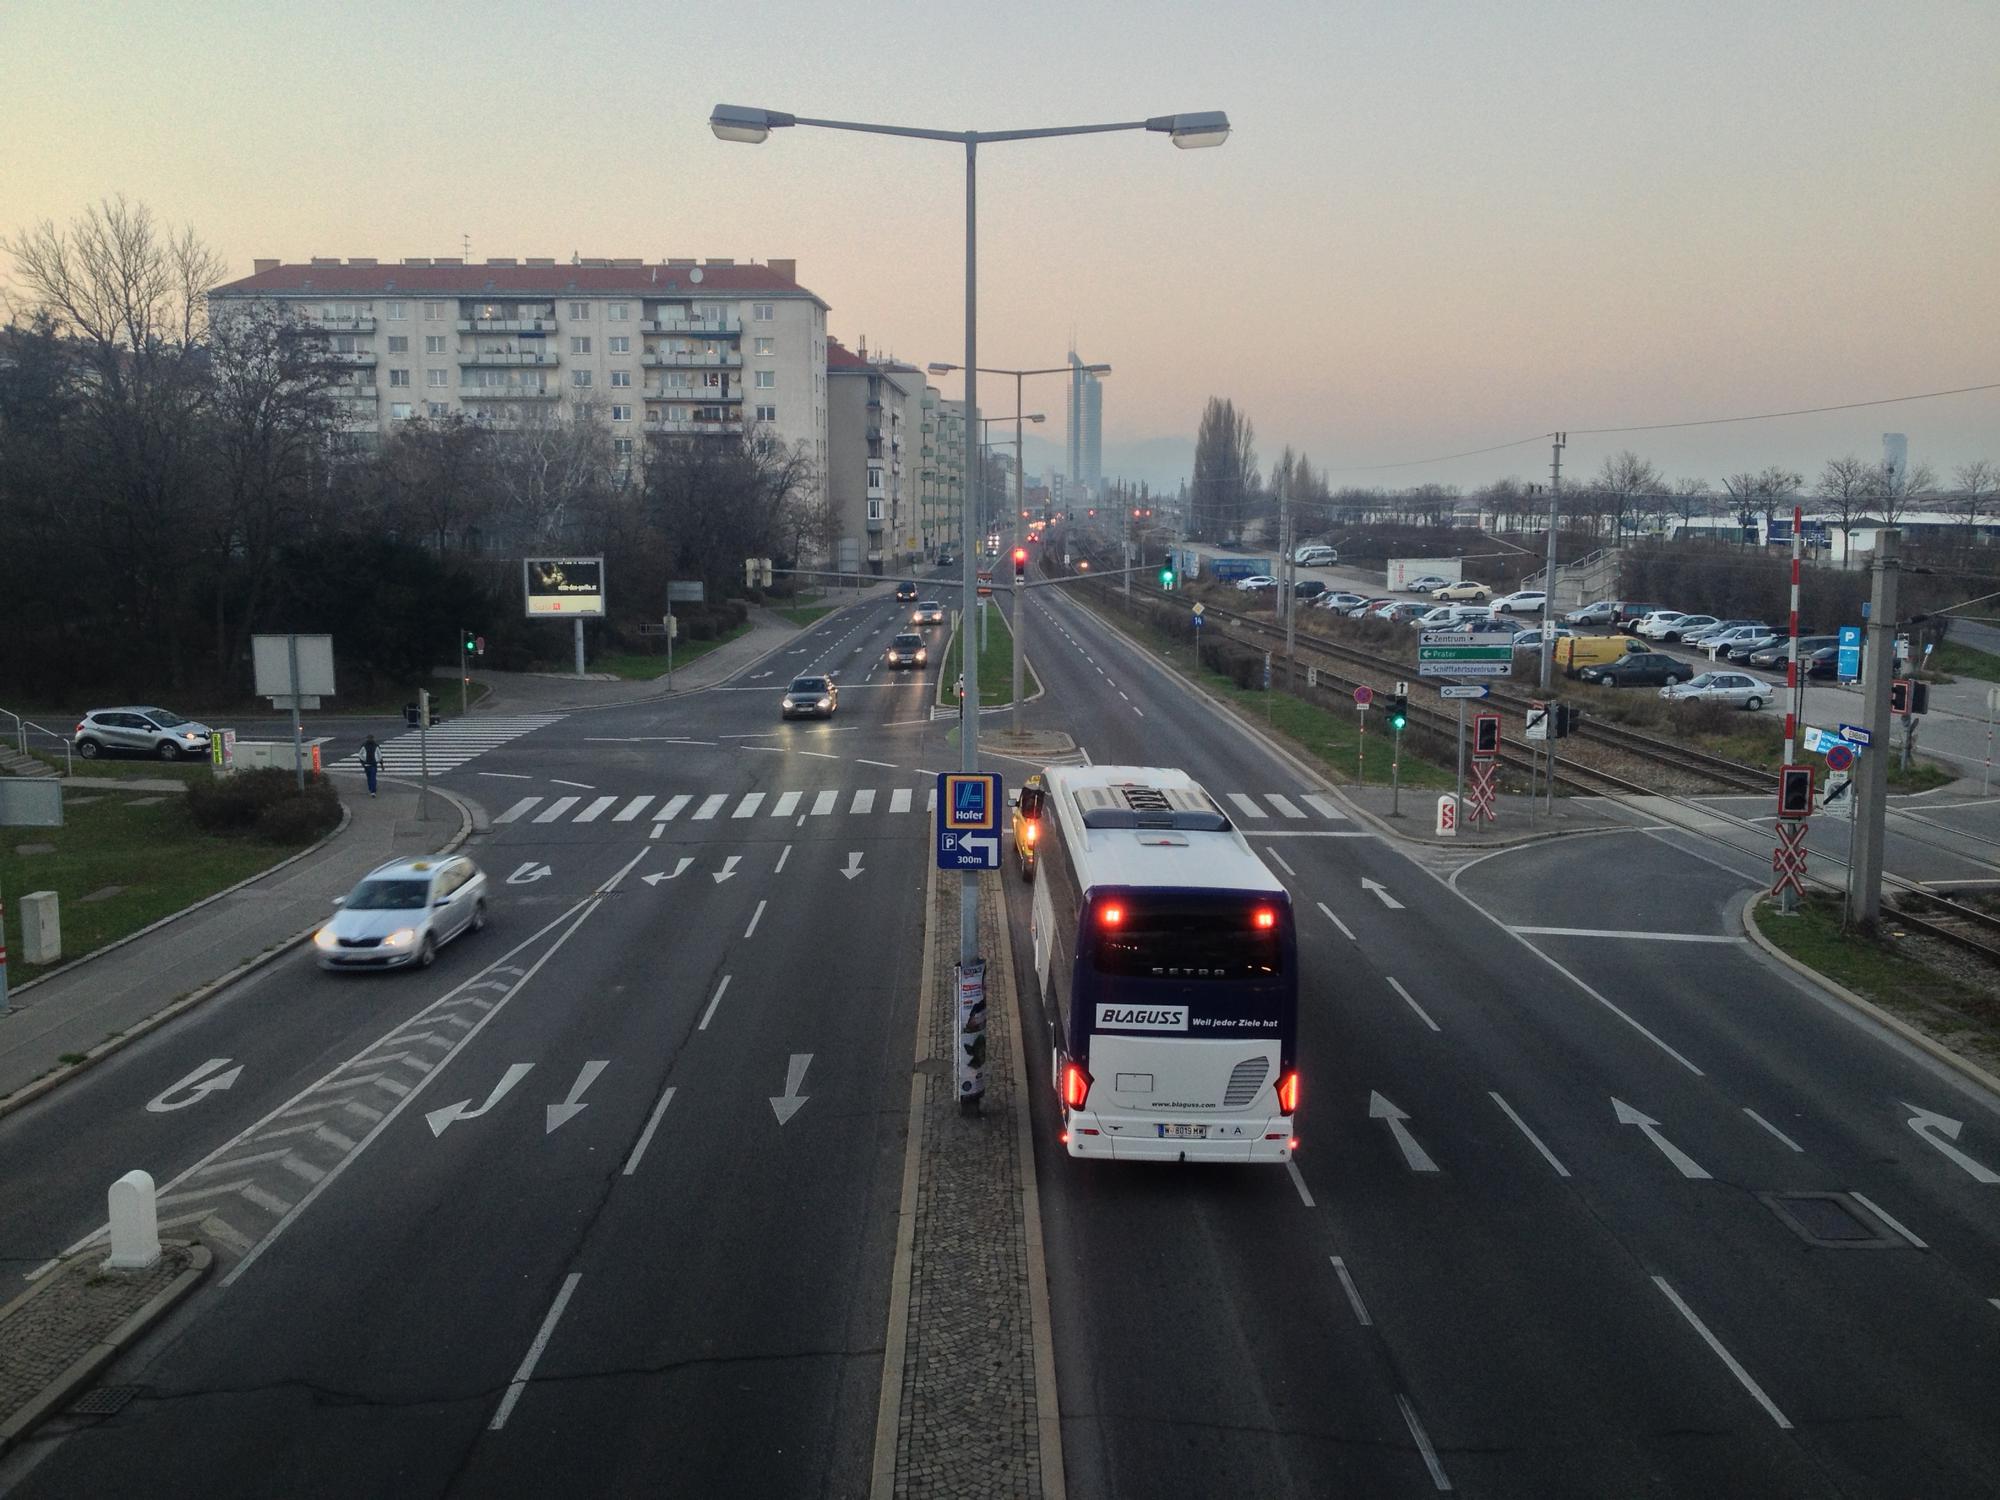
{"points": [[356, 392], [701, 328], [506, 325], [695, 429], [475, 393], [696, 396], [352, 358], [873, 434], [665, 360], [509, 357], [353, 323]]}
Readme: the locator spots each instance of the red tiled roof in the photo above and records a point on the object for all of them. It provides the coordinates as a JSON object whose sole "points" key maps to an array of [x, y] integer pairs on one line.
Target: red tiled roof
{"points": [[840, 357], [518, 280]]}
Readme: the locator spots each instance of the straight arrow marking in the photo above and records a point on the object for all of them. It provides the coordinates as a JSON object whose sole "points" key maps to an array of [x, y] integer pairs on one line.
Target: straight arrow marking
{"points": [[1419, 1160], [853, 864], [1387, 900], [1627, 1115], [789, 1104], [570, 1108], [728, 868], [1930, 1125]]}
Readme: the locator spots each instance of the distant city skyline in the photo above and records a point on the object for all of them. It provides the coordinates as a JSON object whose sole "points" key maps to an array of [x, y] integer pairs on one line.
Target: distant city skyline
{"points": [[1430, 233]]}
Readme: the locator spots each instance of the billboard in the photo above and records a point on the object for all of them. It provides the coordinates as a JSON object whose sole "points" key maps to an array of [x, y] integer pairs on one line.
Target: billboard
{"points": [[570, 586]]}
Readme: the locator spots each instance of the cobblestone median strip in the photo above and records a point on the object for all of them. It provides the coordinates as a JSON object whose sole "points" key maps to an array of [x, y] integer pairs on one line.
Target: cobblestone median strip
{"points": [[56, 1336], [974, 1399]]}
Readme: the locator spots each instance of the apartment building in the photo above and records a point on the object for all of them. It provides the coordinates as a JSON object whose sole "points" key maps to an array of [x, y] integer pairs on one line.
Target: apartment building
{"points": [[683, 347], [874, 413]]}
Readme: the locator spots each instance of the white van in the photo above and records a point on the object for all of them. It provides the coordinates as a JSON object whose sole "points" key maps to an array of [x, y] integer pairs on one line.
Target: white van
{"points": [[1316, 556]]}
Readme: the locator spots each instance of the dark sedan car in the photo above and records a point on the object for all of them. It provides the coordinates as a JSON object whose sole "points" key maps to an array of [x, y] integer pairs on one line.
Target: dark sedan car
{"points": [[1824, 664], [1639, 668], [906, 593], [1308, 588], [1776, 654]]}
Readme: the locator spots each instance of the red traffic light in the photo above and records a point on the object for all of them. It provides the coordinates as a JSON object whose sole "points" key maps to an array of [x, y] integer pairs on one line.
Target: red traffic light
{"points": [[1795, 791], [1020, 556]]}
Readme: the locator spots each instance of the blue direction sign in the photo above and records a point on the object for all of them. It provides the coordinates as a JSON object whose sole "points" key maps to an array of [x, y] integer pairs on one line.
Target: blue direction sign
{"points": [[968, 820], [1848, 663], [1855, 734]]}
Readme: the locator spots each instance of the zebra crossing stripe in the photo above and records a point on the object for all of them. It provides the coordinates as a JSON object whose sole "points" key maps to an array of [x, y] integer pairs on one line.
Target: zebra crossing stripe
{"points": [[710, 806], [864, 802], [1244, 805], [632, 809], [596, 810], [1323, 806], [517, 809], [785, 804], [899, 800], [671, 808], [824, 802], [556, 809], [930, 801], [1284, 805], [747, 808]]}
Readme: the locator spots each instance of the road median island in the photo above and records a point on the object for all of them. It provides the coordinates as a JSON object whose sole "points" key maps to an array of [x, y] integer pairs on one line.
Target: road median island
{"points": [[996, 663]]}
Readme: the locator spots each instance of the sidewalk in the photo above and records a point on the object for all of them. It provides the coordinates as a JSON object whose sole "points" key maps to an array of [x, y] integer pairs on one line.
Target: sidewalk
{"points": [[90, 1009], [1518, 819]]}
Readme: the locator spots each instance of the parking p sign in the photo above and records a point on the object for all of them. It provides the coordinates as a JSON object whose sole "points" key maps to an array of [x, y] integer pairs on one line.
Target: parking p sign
{"points": [[968, 820]]}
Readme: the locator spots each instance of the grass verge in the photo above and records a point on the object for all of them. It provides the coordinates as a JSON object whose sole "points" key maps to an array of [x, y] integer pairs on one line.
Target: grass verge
{"points": [[803, 615], [645, 666], [116, 867], [138, 768], [1891, 972], [1960, 660], [996, 663]]}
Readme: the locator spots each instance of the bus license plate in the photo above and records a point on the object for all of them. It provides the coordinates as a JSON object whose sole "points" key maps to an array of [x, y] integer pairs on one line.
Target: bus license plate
{"points": [[1183, 1132]]}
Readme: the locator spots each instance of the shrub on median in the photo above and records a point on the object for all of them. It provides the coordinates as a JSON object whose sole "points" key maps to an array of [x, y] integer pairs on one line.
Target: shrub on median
{"points": [[267, 802]]}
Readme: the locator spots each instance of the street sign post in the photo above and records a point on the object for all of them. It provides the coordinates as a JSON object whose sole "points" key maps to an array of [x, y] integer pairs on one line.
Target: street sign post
{"points": [[968, 820], [1460, 653], [1839, 756], [1855, 734], [1363, 696], [1465, 690], [1847, 662]]}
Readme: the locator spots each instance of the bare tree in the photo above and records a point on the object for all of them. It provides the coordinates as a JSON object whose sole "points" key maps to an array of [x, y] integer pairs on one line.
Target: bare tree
{"points": [[1691, 498], [1895, 491], [1978, 481], [1849, 488], [437, 479], [552, 471], [1623, 479]]}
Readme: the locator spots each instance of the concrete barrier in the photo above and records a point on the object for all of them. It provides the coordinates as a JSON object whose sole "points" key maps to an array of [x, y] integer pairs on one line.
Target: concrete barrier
{"points": [[41, 927]]}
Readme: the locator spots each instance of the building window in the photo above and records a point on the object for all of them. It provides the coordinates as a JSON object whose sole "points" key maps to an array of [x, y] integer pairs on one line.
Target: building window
{"points": [[767, 413], [618, 343], [433, 312], [399, 411], [767, 346], [621, 378], [617, 312], [397, 344], [579, 312], [433, 343], [434, 378], [767, 380], [621, 413], [579, 377], [712, 380], [579, 346], [399, 312], [874, 510], [399, 377], [761, 311], [622, 447], [437, 408]]}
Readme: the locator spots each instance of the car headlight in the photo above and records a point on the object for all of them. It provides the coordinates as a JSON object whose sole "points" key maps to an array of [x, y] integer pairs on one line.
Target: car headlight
{"points": [[826, 703], [921, 656], [402, 937], [324, 938]]}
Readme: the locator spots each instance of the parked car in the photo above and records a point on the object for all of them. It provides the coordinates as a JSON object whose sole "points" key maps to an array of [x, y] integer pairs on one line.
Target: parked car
{"points": [[1738, 688], [1631, 612], [139, 731], [1740, 650], [1823, 664], [1308, 588], [1667, 624], [1531, 640], [1581, 651], [1637, 669], [1465, 588], [1316, 556], [1401, 612], [946, 560], [1339, 600], [1701, 638], [1779, 651], [928, 612], [1603, 612], [1430, 583], [1256, 583], [1520, 602], [402, 913], [1719, 641], [811, 698], [1367, 607]]}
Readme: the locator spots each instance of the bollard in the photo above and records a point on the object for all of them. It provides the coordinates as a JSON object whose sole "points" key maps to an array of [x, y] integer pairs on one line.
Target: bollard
{"points": [[135, 1224], [41, 927]]}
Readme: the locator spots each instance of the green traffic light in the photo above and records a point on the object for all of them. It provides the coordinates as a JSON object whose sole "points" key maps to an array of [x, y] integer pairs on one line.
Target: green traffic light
{"points": [[1166, 578]]}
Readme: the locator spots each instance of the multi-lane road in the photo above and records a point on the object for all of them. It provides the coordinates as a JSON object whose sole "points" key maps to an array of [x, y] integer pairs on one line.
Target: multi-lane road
{"points": [[1592, 1198]]}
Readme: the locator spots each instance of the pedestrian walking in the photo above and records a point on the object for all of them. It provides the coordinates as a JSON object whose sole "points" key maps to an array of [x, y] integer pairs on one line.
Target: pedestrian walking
{"points": [[370, 761]]}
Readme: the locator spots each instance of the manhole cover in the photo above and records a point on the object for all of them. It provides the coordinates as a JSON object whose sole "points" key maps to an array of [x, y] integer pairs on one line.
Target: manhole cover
{"points": [[1833, 1221], [103, 1401]]}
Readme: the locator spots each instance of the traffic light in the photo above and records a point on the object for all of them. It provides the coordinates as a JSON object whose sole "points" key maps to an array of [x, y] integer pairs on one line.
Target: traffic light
{"points": [[471, 643], [1486, 735], [1563, 719], [749, 572], [1899, 696], [1020, 566], [1795, 791], [1399, 712], [480, 642], [1167, 576], [1920, 697]]}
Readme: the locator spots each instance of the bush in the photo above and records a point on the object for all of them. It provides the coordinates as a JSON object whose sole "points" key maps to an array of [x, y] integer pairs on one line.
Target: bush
{"points": [[301, 818], [233, 804]]}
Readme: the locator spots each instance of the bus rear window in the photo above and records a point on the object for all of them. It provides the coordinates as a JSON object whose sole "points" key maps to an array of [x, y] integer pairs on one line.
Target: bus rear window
{"points": [[1185, 941]]}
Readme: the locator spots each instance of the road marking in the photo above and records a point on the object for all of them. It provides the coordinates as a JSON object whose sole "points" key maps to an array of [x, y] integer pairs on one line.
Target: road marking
{"points": [[1139, 711], [782, 857], [1882, 1214], [882, 763], [1344, 932], [1650, 1128], [1533, 1139], [1418, 1159], [442, 1118], [1650, 937], [556, 809], [1382, 894], [708, 1015], [820, 754], [729, 864], [517, 809], [518, 776], [198, 1085], [747, 808], [1323, 806], [656, 830], [670, 809], [573, 1105], [1924, 1121], [864, 802], [1299, 1182], [899, 800], [1594, 994], [755, 917], [646, 1136], [1773, 1129], [596, 810], [580, 785], [522, 1375], [1244, 805], [824, 803], [1423, 1442], [632, 809], [1281, 861], [1723, 1354], [1410, 1000], [710, 806], [1284, 804], [1353, 1292], [783, 807], [789, 1103]]}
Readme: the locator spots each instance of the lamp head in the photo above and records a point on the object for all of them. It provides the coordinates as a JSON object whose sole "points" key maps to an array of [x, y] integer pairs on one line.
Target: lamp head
{"points": [[1191, 132], [939, 367], [746, 126]]}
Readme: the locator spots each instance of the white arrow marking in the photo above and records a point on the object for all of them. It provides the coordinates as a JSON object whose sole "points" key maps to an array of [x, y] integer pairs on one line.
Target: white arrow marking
{"points": [[439, 1118], [1381, 1109], [728, 868], [199, 1086], [795, 1074], [1925, 1121], [1627, 1115], [658, 875], [570, 1108], [1387, 900], [853, 864], [529, 873]]}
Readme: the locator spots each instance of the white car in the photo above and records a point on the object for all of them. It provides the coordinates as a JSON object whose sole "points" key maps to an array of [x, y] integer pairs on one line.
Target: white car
{"points": [[1719, 641], [1316, 556], [1430, 583], [1531, 640], [1520, 602], [1255, 582], [1665, 624], [1738, 688], [1340, 602], [402, 913]]}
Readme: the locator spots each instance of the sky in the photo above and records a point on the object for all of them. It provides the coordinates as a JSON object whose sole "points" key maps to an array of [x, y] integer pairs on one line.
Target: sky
{"points": [[1436, 227]]}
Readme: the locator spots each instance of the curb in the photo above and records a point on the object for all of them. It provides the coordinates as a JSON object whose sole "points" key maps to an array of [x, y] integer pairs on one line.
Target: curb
{"points": [[1028, 672], [28, 1093], [1934, 1049], [92, 1362]]}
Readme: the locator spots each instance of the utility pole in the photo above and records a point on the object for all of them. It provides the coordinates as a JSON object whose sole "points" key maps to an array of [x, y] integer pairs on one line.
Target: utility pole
{"points": [[1788, 899], [1020, 541], [1288, 539], [1871, 780], [1549, 578]]}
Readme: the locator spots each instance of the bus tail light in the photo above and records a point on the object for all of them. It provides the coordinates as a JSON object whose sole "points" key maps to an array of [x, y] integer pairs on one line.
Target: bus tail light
{"points": [[1075, 1086], [1288, 1092], [1111, 916], [1264, 919]]}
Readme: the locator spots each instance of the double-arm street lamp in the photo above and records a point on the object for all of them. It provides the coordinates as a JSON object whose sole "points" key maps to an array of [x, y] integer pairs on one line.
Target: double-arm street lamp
{"points": [[735, 122], [938, 367]]}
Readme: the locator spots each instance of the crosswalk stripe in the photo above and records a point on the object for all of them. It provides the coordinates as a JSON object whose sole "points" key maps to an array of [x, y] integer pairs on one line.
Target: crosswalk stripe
{"points": [[930, 802], [785, 804], [1323, 806], [1283, 804], [671, 807], [864, 801], [1244, 805], [899, 800], [517, 809], [824, 803], [447, 746], [632, 809], [556, 809], [747, 808], [710, 806], [596, 810]]}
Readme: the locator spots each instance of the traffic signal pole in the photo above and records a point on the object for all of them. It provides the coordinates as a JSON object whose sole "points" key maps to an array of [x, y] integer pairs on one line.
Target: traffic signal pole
{"points": [[1020, 569], [1871, 771]]}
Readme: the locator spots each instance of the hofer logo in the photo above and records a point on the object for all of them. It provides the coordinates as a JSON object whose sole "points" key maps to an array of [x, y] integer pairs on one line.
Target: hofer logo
{"points": [[1142, 1018]]}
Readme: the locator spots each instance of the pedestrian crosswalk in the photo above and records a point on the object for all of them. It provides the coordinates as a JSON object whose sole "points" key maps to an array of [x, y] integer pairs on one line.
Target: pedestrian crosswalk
{"points": [[1274, 808], [451, 744]]}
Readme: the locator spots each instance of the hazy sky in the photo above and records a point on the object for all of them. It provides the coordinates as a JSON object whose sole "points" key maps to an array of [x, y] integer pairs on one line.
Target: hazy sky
{"points": [[1436, 227]]}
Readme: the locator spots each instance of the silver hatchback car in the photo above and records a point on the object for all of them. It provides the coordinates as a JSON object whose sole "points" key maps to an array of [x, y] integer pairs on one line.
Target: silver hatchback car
{"points": [[139, 731], [1738, 688], [402, 913]]}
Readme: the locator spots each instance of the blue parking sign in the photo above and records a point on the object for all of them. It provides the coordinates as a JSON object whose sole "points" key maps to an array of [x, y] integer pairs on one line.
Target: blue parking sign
{"points": [[968, 820], [1848, 660]]}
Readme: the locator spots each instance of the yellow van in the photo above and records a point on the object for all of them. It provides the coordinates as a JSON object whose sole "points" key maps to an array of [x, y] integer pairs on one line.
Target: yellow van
{"points": [[1575, 652], [1028, 823]]}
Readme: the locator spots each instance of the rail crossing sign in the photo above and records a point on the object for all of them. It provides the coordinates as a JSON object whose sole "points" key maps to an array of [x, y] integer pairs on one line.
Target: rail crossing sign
{"points": [[1460, 653], [1788, 860], [1480, 793], [968, 820]]}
